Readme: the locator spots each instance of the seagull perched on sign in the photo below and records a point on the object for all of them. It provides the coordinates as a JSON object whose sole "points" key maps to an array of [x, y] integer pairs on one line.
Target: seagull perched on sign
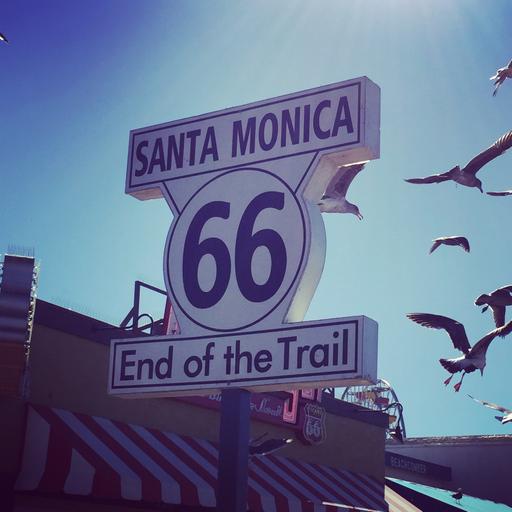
{"points": [[501, 75], [497, 300], [3, 38], [500, 193], [467, 175], [507, 413], [474, 356], [461, 241], [334, 200]]}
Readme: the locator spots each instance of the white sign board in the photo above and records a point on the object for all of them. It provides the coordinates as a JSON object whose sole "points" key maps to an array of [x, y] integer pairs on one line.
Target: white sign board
{"points": [[313, 354], [342, 117], [246, 246]]}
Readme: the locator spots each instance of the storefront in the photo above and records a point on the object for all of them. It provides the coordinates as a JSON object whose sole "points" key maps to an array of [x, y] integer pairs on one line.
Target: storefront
{"points": [[480, 465], [68, 444]]}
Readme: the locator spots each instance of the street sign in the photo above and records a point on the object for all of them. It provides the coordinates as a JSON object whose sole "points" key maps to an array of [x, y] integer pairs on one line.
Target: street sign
{"points": [[339, 118], [246, 246], [308, 354]]}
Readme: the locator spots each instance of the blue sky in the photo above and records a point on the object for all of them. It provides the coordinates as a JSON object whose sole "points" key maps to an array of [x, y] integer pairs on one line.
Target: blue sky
{"points": [[77, 76]]}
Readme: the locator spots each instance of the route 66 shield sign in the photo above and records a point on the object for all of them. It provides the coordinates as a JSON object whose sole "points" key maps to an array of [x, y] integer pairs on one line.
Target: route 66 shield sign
{"points": [[313, 429]]}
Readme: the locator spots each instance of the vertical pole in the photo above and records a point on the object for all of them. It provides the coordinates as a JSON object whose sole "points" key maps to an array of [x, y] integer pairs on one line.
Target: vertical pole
{"points": [[233, 451]]}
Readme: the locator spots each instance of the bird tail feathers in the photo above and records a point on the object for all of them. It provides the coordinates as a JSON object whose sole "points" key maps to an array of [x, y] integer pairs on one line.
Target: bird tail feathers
{"points": [[450, 365]]}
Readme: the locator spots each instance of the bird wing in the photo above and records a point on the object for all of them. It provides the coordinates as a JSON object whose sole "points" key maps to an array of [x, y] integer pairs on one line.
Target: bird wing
{"points": [[506, 419], [490, 405], [338, 186], [434, 178], [509, 65], [483, 344], [435, 245], [3, 38], [507, 288], [454, 329], [498, 312], [498, 148], [463, 242], [500, 193]]}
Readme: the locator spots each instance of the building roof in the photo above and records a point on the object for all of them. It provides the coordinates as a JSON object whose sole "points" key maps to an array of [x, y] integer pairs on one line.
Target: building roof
{"points": [[467, 503], [77, 324], [460, 440]]}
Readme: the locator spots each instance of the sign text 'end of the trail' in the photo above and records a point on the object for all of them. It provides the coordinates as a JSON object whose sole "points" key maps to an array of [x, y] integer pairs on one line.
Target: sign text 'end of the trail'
{"points": [[335, 352]]}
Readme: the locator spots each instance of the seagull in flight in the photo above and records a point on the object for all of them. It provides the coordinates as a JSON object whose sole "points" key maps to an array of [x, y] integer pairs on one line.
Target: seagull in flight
{"points": [[473, 357], [3, 38], [334, 200], [461, 241], [500, 193], [507, 413], [497, 300], [501, 75], [268, 446], [467, 175]]}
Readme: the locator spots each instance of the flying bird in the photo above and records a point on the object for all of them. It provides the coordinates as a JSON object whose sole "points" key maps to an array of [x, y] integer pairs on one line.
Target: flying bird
{"points": [[334, 200], [474, 356], [497, 300], [467, 175], [501, 193], [507, 413], [461, 241], [267, 446], [501, 75]]}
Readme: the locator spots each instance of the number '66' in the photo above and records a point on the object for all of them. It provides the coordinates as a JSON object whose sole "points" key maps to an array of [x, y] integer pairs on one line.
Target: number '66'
{"points": [[246, 244]]}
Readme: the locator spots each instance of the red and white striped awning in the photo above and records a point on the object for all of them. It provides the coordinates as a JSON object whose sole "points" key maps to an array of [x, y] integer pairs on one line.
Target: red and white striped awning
{"points": [[398, 503], [97, 457]]}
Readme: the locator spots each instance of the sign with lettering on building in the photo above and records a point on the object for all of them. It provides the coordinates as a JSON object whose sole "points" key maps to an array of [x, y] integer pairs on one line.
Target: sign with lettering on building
{"points": [[246, 246], [420, 467]]}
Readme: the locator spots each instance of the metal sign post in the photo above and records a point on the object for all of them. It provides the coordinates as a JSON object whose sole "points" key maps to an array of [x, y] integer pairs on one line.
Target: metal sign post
{"points": [[244, 254], [233, 451]]}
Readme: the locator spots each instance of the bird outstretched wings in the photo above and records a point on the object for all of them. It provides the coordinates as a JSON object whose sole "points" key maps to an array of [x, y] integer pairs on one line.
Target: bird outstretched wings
{"points": [[338, 186], [493, 151], [455, 329], [483, 344], [500, 76], [461, 241], [491, 405], [500, 193], [434, 178], [497, 74]]}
